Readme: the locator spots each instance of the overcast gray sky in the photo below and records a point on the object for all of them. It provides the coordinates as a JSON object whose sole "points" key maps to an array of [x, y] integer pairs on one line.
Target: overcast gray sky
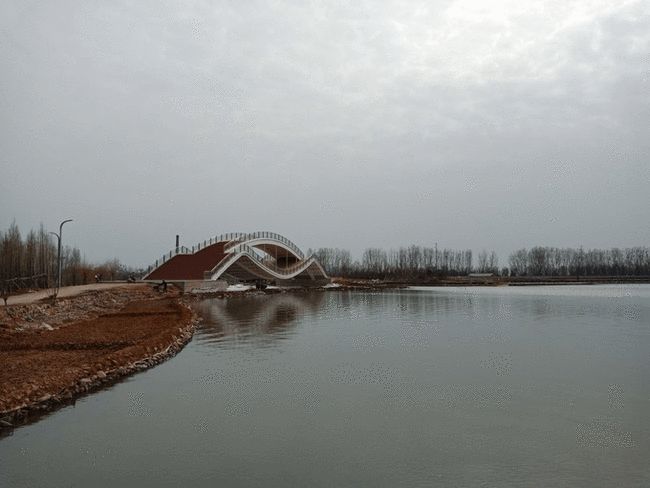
{"points": [[471, 123]]}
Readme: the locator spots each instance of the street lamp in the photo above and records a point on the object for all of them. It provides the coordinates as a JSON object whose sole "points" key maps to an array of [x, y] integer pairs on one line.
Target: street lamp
{"points": [[58, 260]]}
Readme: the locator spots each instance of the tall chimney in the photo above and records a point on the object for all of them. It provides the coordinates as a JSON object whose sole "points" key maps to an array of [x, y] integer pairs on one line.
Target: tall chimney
{"points": [[177, 242]]}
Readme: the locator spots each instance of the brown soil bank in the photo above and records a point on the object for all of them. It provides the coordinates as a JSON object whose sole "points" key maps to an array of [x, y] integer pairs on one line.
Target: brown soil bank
{"points": [[44, 367]]}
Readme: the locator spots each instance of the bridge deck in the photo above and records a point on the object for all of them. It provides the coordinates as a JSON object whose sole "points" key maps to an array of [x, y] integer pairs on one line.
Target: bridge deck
{"points": [[190, 266], [247, 256]]}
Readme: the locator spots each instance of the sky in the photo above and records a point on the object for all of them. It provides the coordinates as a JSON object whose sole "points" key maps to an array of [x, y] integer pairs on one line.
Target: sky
{"points": [[467, 123]]}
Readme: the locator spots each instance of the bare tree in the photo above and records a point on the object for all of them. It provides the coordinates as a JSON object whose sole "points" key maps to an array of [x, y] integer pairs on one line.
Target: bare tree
{"points": [[483, 261]]}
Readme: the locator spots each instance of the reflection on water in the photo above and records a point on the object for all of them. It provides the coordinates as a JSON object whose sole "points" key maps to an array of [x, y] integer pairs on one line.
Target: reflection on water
{"points": [[260, 318], [417, 387]]}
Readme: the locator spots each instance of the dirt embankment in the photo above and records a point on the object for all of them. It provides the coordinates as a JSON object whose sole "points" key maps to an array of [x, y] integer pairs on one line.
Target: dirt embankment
{"points": [[49, 355]]}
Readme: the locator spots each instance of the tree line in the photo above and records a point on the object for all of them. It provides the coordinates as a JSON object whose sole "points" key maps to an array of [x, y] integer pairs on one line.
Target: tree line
{"points": [[553, 261], [403, 262], [31, 262], [418, 261]]}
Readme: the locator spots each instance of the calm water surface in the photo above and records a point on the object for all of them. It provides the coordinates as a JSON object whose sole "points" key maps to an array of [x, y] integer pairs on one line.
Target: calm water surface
{"points": [[536, 386]]}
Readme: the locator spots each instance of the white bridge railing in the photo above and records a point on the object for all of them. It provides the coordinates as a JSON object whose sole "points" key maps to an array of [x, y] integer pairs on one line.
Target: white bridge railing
{"points": [[232, 239], [271, 263], [265, 235]]}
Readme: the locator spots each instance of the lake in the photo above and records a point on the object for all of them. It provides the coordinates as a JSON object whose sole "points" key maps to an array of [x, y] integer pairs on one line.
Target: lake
{"points": [[508, 386]]}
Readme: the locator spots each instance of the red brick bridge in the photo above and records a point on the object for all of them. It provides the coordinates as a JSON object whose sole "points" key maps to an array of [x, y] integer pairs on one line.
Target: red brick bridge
{"points": [[240, 257]]}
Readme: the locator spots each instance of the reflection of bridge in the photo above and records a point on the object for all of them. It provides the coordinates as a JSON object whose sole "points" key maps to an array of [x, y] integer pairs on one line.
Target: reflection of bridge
{"points": [[240, 257], [267, 317]]}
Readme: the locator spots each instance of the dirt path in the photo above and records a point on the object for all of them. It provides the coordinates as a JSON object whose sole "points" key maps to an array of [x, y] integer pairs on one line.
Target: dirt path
{"points": [[44, 368], [64, 292]]}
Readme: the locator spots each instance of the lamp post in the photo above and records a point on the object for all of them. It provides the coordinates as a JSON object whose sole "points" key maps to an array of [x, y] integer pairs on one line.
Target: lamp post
{"points": [[58, 259]]}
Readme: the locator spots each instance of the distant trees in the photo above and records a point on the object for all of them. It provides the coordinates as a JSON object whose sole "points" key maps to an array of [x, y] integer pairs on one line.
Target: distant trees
{"points": [[553, 261], [374, 260], [488, 263], [403, 262], [31, 262], [335, 261], [420, 262], [34, 257]]}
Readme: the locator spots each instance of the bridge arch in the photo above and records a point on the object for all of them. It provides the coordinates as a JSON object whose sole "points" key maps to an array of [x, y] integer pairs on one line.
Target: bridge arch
{"points": [[240, 257]]}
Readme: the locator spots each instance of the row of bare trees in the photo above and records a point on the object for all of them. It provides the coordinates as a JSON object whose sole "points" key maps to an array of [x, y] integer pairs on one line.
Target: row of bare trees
{"points": [[30, 262], [417, 261], [35, 257], [403, 262], [32, 257], [553, 261]]}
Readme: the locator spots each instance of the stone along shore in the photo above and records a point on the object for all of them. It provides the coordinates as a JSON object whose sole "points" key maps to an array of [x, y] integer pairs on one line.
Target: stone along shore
{"points": [[52, 354]]}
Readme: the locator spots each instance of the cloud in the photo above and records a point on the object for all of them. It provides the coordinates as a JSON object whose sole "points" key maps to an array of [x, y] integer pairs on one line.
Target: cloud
{"points": [[435, 115]]}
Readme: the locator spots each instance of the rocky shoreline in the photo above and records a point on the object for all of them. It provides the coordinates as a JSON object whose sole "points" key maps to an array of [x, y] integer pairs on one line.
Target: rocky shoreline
{"points": [[101, 328], [51, 355], [87, 344]]}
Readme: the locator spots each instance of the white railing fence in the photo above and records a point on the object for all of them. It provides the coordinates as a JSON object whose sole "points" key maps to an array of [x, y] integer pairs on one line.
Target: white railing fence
{"points": [[232, 239]]}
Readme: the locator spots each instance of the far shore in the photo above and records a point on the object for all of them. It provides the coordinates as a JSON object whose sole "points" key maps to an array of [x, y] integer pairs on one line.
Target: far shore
{"points": [[488, 281]]}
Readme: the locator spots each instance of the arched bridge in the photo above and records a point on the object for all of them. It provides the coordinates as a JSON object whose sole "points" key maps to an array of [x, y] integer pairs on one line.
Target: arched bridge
{"points": [[242, 257]]}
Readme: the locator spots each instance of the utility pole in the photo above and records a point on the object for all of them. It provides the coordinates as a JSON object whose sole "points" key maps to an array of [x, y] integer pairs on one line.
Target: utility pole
{"points": [[58, 259]]}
